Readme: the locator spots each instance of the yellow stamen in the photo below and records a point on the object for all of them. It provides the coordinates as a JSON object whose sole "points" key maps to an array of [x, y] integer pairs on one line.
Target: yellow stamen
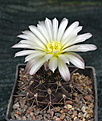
{"points": [[54, 47]]}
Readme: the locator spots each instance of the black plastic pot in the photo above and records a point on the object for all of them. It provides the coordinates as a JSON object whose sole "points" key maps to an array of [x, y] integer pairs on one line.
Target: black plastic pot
{"points": [[88, 71]]}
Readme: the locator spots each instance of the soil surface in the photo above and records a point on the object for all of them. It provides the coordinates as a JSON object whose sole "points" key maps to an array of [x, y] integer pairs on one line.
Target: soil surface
{"points": [[46, 96]]}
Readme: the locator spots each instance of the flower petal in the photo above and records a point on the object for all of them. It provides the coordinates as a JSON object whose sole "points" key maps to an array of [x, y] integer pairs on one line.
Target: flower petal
{"points": [[36, 44], [23, 36], [36, 54], [27, 42], [53, 62], [63, 69], [79, 38], [78, 29], [81, 48], [62, 28], [24, 52], [82, 38], [55, 28], [25, 45], [48, 56], [76, 55], [28, 33], [19, 45], [76, 60], [36, 66], [70, 31], [48, 25], [30, 38], [43, 30], [46, 67], [64, 58], [38, 34], [30, 64]]}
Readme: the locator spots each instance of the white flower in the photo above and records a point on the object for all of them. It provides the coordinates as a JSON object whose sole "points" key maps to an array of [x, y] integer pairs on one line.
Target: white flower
{"points": [[53, 44]]}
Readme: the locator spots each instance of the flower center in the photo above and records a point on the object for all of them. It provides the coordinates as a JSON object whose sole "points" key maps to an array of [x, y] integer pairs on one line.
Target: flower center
{"points": [[54, 47]]}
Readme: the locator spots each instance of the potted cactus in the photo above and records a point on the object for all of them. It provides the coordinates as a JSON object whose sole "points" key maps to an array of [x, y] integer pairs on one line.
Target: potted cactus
{"points": [[55, 91]]}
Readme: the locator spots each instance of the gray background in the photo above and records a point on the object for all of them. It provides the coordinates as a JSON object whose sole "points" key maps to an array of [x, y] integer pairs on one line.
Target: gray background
{"points": [[16, 15]]}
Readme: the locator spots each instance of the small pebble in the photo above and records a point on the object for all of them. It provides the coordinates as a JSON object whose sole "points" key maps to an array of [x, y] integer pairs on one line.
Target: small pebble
{"points": [[12, 115], [87, 98], [31, 114], [83, 119], [65, 111], [62, 111], [68, 102], [68, 118], [77, 120], [91, 105], [57, 114], [75, 94], [18, 112], [57, 119], [36, 112], [17, 116], [57, 109], [83, 109], [72, 116], [16, 105], [80, 115], [39, 117], [33, 118], [70, 112], [75, 113], [28, 111], [68, 106], [24, 108], [23, 118], [62, 116]]}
